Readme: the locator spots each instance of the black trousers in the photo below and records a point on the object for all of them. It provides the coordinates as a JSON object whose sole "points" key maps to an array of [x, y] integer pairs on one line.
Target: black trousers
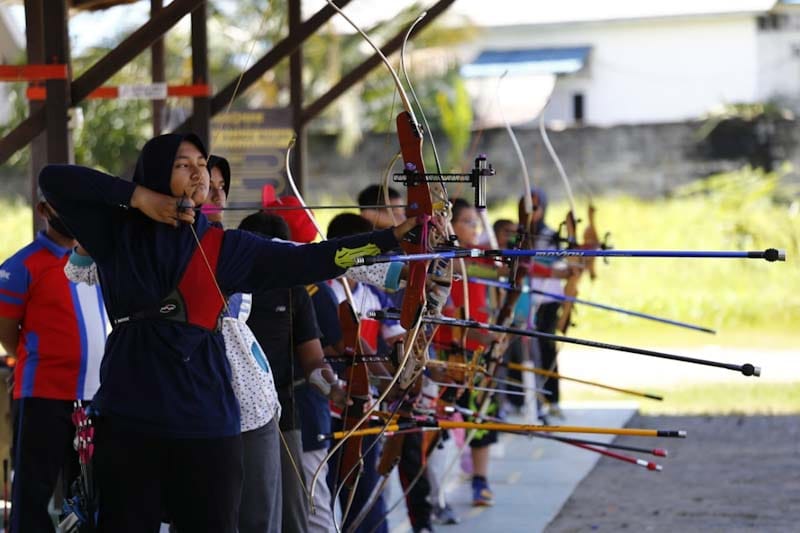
{"points": [[418, 501], [43, 435], [197, 482], [515, 353], [546, 321]]}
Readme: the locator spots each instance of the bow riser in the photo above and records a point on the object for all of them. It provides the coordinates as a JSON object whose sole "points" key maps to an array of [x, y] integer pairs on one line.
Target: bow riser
{"points": [[590, 241], [571, 286], [420, 207], [358, 393]]}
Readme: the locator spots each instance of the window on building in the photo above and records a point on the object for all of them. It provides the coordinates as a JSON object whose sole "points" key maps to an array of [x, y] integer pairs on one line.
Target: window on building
{"points": [[578, 108], [773, 21]]}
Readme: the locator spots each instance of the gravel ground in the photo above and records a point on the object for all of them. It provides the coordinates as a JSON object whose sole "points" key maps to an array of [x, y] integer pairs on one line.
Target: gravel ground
{"points": [[732, 473]]}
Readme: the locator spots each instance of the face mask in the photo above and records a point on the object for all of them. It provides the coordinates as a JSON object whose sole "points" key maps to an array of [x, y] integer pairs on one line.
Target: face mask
{"points": [[58, 225]]}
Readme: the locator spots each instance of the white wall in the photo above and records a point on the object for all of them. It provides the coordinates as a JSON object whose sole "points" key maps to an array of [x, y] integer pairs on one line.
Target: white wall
{"points": [[646, 71], [11, 48], [779, 63]]}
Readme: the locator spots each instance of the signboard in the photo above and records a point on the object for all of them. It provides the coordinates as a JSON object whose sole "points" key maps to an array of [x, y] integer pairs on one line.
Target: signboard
{"points": [[254, 142], [153, 91]]}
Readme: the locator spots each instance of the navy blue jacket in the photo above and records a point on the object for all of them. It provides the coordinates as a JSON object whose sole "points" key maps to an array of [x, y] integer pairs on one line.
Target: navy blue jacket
{"points": [[159, 377]]}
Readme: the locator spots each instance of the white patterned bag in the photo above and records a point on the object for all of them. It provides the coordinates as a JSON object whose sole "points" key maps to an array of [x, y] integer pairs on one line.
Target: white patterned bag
{"points": [[251, 376]]}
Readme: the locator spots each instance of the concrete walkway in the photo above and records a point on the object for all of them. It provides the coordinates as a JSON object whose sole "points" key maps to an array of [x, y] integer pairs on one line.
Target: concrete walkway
{"points": [[531, 478]]}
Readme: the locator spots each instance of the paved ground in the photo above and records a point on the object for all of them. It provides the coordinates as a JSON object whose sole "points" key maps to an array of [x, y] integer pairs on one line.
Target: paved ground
{"points": [[519, 464], [732, 474], [724, 477]]}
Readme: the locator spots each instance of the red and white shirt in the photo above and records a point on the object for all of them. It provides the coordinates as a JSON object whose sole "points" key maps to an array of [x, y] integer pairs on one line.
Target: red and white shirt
{"points": [[64, 325]]}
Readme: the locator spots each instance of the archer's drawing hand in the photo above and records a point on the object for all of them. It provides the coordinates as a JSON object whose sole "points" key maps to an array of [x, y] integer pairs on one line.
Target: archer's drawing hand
{"points": [[163, 208]]}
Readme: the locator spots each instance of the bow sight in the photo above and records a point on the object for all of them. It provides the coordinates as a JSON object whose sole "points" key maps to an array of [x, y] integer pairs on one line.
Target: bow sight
{"points": [[476, 178]]}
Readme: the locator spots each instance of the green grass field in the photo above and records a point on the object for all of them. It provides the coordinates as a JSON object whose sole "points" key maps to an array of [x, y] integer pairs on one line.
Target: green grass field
{"points": [[745, 300], [16, 219], [751, 397], [751, 303]]}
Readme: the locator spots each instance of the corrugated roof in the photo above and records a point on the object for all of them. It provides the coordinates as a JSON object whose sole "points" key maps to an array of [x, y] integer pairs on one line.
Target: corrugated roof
{"points": [[565, 60]]}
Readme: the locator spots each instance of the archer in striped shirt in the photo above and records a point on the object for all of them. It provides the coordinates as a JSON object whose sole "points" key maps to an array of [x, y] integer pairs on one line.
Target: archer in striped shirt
{"points": [[57, 331]]}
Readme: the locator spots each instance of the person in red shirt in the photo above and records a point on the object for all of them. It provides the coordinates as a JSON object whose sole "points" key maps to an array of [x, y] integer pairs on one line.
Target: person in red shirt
{"points": [[467, 227], [57, 330]]}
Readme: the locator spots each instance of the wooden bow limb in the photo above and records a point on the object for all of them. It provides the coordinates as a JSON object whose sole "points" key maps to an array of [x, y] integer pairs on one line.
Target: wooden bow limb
{"points": [[358, 396], [571, 285], [421, 206], [591, 240], [350, 463], [457, 365]]}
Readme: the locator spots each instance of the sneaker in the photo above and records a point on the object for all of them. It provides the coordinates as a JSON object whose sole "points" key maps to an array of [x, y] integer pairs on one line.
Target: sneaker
{"points": [[482, 495], [445, 515], [423, 529]]}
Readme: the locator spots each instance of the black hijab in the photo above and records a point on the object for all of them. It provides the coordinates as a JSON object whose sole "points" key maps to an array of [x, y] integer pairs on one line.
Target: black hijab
{"points": [[154, 166], [216, 161]]}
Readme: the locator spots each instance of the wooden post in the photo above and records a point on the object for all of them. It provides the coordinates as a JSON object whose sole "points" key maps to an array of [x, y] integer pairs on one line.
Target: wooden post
{"points": [[34, 35], [56, 50], [296, 91], [157, 69], [201, 105]]}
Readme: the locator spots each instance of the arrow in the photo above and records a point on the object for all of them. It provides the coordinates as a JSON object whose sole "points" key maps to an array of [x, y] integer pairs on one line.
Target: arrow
{"points": [[658, 452], [507, 427], [556, 375], [295, 207], [746, 369], [505, 285], [770, 254]]}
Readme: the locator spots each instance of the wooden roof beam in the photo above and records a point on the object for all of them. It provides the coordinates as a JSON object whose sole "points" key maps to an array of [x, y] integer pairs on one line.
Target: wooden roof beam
{"points": [[277, 53], [139, 41], [360, 72]]}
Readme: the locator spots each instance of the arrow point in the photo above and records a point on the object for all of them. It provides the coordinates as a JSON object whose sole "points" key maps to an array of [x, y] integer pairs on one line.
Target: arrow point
{"points": [[750, 370]]}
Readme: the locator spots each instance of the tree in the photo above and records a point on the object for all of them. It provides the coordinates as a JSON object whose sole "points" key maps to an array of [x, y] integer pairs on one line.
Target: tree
{"points": [[112, 131]]}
